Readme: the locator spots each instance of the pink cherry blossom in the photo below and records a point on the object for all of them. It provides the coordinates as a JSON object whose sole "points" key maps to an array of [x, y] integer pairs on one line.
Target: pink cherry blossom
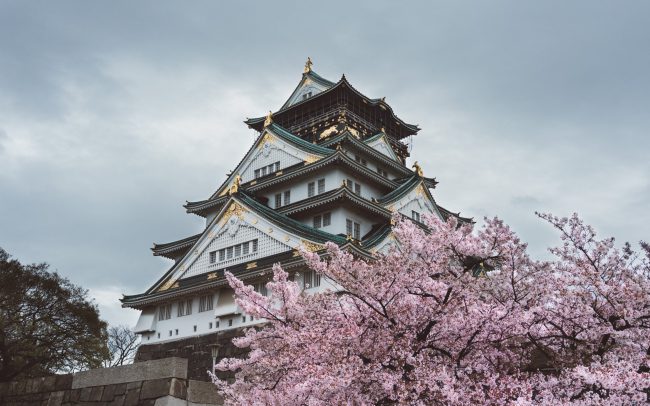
{"points": [[453, 316]]}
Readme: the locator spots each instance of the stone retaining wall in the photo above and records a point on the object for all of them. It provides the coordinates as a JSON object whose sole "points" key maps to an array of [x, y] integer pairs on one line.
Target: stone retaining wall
{"points": [[197, 350], [162, 382]]}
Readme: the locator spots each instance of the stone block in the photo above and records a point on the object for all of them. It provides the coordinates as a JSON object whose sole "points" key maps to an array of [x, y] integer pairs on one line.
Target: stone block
{"points": [[120, 389], [155, 389], [85, 394], [63, 382], [96, 393], [170, 401], [132, 397], [203, 392], [118, 400], [75, 395], [157, 369], [109, 393], [178, 389], [133, 385], [56, 398]]}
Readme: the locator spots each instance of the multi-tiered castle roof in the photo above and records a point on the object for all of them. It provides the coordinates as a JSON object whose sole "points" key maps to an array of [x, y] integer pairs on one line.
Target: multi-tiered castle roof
{"points": [[329, 165]]}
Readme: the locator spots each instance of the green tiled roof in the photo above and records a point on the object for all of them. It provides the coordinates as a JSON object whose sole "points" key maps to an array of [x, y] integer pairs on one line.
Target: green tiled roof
{"points": [[294, 139]]}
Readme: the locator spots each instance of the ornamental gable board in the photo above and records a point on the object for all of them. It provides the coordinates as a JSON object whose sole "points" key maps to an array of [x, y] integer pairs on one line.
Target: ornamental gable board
{"points": [[382, 145], [419, 200], [234, 226], [266, 151], [306, 89]]}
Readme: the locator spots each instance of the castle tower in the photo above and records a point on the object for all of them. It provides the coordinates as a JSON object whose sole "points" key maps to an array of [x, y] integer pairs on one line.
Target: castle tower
{"points": [[329, 165]]}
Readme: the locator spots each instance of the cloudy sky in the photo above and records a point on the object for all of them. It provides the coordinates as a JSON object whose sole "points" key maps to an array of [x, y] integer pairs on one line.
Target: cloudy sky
{"points": [[112, 115]]}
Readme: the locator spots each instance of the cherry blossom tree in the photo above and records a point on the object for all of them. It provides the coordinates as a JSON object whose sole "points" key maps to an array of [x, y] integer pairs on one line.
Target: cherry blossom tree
{"points": [[453, 316]]}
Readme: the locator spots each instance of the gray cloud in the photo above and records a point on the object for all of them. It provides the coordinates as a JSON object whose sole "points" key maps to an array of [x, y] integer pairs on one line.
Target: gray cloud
{"points": [[120, 112]]}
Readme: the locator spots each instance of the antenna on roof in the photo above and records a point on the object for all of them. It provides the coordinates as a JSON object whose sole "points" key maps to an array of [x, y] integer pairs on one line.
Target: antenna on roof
{"points": [[308, 65]]}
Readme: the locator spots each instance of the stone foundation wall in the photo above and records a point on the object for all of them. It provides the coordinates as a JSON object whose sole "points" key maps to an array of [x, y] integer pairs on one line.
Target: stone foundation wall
{"points": [[162, 382], [197, 350]]}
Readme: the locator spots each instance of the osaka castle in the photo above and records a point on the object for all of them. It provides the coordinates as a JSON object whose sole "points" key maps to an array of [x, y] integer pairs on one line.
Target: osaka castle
{"points": [[329, 165]]}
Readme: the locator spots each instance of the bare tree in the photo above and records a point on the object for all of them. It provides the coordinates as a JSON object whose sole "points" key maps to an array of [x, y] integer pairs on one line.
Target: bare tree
{"points": [[122, 345]]}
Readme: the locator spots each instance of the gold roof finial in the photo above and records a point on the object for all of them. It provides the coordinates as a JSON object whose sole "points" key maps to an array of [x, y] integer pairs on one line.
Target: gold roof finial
{"points": [[268, 120], [308, 65], [418, 169], [234, 188]]}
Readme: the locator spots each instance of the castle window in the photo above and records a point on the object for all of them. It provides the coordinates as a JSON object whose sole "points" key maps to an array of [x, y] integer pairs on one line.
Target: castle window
{"points": [[261, 289], [318, 221], [311, 189], [353, 229], [206, 303], [360, 160], [243, 319], [321, 186], [229, 322], [237, 250], [278, 200], [158, 335], [184, 307], [176, 331], [165, 312], [287, 197], [311, 279], [354, 186], [277, 166], [257, 173], [327, 219], [415, 215], [210, 325], [195, 329], [213, 257], [170, 333], [216, 324]]}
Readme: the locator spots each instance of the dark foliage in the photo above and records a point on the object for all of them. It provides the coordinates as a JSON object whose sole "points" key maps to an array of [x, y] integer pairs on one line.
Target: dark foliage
{"points": [[47, 324]]}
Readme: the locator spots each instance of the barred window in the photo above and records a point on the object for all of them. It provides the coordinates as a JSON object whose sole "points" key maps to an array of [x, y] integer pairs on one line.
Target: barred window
{"points": [[184, 308], [213, 257], [327, 219], [311, 279], [318, 221], [222, 254], [311, 189], [357, 231], [278, 200], [348, 227], [321, 186], [165, 312], [287, 197], [206, 303]]}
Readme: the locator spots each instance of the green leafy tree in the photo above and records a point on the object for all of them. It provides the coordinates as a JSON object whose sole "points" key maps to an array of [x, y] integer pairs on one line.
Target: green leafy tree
{"points": [[47, 324]]}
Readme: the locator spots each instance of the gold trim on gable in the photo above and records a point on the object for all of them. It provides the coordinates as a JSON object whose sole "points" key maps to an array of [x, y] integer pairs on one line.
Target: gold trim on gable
{"points": [[311, 246]]}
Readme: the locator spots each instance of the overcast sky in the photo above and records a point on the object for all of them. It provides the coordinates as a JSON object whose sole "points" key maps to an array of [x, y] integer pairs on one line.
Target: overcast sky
{"points": [[112, 115]]}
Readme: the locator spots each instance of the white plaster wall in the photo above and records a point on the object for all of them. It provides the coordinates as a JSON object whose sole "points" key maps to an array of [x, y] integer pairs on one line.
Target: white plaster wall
{"points": [[372, 163], [235, 232], [185, 324], [267, 155], [333, 180]]}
